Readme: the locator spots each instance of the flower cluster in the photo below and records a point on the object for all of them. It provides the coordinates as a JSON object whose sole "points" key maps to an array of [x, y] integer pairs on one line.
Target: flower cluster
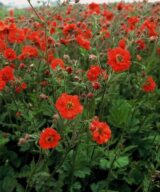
{"points": [[75, 82]]}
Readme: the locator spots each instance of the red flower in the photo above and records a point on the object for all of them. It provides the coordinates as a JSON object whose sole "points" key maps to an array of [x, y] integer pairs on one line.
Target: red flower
{"points": [[83, 42], [6, 74], [24, 86], [57, 62], [108, 15], [149, 85], [64, 41], [101, 132], [93, 73], [119, 59], [3, 26], [10, 54], [122, 43], [141, 44], [94, 7], [69, 106], [86, 33], [49, 138], [16, 36], [69, 9], [18, 89], [21, 87], [29, 51], [120, 6], [150, 26], [133, 21], [69, 29], [34, 36], [50, 57]]}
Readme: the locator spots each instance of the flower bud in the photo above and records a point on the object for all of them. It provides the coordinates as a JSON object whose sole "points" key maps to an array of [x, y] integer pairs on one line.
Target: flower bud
{"points": [[22, 65], [27, 136], [69, 70], [43, 96], [90, 95], [96, 85], [21, 141]]}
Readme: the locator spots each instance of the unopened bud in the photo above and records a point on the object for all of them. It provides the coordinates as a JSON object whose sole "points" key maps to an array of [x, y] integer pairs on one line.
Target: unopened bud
{"points": [[27, 136], [43, 96], [55, 117], [21, 141], [90, 95]]}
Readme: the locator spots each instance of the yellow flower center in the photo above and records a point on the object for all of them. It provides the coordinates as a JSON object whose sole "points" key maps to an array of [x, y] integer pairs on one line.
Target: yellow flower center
{"points": [[49, 139], [70, 105], [119, 58]]}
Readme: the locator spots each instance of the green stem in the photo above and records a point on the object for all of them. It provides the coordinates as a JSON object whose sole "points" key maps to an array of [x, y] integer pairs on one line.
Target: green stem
{"points": [[29, 1], [117, 153], [73, 168], [61, 163], [92, 154], [28, 187]]}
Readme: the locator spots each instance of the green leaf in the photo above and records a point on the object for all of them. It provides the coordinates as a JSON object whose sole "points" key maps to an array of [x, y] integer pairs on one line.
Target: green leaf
{"points": [[130, 148], [76, 186], [19, 188], [3, 140], [82, 173], [105, 164], [146, 183], [121, 162], [136, 176], [25, 172], [100, 187], [120, 113], [9, 184]]}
